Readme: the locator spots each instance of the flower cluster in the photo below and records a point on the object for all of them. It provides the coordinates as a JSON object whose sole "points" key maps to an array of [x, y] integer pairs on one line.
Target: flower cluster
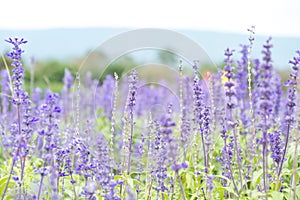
{"points": [[136, 150]]}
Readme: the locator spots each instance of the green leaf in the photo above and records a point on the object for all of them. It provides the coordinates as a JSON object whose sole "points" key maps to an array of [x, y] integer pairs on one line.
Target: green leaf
{"points": [[256, 177], [231, 190], [298, 191], [3, 182], [189, 180], [38, 163], [276, 195], [130, 182], [166, 196]]}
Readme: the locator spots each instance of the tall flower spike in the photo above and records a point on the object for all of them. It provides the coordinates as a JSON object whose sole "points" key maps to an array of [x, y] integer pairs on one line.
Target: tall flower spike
{"points": [[68, 80], [242, 84], [132, 89], [291, 104], [250, 94], [5, 91], [231, 104], [198, 109], [18, 71], [20, 136], [265, 105], [131, 103]]}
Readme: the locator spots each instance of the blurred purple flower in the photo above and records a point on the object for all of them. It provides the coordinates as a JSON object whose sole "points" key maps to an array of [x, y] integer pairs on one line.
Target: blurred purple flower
{"points": [[241, 78], [68, 80]]}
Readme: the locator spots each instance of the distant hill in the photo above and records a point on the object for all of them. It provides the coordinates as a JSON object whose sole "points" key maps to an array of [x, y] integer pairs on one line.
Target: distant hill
{"points": [[71, 44]]}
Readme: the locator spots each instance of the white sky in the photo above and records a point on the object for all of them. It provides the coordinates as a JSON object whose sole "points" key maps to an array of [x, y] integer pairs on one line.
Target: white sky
{"points": [[271, 17]]}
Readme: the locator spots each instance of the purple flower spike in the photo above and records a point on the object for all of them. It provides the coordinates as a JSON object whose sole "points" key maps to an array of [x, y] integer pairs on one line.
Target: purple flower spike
{"points": [[68, 80], [290, 105]]}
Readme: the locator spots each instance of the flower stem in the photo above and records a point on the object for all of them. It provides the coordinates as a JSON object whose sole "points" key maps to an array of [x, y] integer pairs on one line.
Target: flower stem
{"points": [[204, 153], [229, 165], [284, 150], [238, 157], [295, 165], [8, 180], [265, 159], [40, 187], [181, 186], [236, 147], [74, 191], [130, 142], [149, 190]]}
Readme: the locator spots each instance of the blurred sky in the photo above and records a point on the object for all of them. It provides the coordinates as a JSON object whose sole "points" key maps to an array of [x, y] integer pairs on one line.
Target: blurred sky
{"points": [[271, 17]]}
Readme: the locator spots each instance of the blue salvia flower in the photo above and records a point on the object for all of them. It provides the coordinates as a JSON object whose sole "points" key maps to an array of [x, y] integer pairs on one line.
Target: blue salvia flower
{"points": [[229, 85], [83, 163], [29, 121], [106, 98], [276, 146], [290, 105], [241, 78], [276, 84], [48, 140], [292, 91], [18, 70], [21, 129], [226, 155], [227, 159], [166, 130], [131, 195], [265, 107], [133, 79], [5, 90], [164, 150], [111, 195], [210, 184], [256, 76], [218, 99], [36, 96], [206, 126], [49, 133], [201, 115], [265, 104], [230, 105], [185, 129], [68, 80], [139, 152], [103, 169], [90, 189], [265, 91], [155, 147], [144, 100], [131, 101], [198, 98]]}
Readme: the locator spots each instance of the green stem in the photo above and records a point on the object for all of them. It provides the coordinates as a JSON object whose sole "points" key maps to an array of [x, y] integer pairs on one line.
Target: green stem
{"points": [[284, 151], [149, 190], [181, 186], [8, 180], [40, 187], [295, 165], [130, 142]]}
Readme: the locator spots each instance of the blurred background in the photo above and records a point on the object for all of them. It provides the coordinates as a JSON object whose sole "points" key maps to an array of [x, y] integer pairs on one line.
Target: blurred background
{"points": [[66, 34]]}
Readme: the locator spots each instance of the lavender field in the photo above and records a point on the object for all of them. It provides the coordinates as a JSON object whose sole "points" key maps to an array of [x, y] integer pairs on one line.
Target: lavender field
{"points": [[230, 134]]}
